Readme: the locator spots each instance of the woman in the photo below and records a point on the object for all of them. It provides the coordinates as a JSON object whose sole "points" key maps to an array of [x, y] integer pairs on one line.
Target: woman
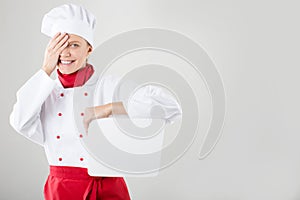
{"points": [[44, 109]]}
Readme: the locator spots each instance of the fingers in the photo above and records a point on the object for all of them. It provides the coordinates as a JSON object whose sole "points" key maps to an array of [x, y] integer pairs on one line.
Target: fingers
{"points": [[56, 45], [86, 126], [56, 35], [86, 123], [86, 119], [61, 44], [89, 116], [53, 38], [58, 40]]}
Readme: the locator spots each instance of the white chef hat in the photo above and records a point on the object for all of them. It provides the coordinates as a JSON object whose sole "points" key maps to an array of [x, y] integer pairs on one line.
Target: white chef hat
{"points": [[70, 18]]}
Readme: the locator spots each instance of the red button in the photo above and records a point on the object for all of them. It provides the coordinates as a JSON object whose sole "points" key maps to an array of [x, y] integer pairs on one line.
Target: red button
{"points": [[81, 114], [59, 114], [85, 94], [58, 137], [61, 94], [60, 159], [81, 159], [81, 136]]}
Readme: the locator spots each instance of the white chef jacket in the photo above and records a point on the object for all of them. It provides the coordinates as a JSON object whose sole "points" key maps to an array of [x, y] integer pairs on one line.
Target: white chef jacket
{"points": [[44, 113]]}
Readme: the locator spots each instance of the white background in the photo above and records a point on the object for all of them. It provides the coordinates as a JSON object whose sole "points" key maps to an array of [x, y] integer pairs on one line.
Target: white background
{"points": [[255, 46]]}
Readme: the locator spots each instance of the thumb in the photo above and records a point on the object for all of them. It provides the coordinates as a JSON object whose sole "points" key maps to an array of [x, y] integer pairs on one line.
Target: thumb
{"points": [[86, 124]]}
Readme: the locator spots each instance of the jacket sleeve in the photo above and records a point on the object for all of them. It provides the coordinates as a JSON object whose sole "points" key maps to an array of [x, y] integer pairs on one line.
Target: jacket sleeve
{"points": [[148, 101], [25, 116], [153, 102]]}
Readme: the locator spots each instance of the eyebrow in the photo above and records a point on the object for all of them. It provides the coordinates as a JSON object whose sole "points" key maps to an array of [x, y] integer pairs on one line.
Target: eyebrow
{"points": [[74, 41]]}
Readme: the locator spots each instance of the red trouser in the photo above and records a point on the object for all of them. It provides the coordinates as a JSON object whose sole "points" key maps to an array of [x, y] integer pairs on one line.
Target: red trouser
{"points": [[74, 183]]}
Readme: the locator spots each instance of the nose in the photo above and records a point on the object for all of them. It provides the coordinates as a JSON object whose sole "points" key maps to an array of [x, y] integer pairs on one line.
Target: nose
{"points": [[65, 52]]}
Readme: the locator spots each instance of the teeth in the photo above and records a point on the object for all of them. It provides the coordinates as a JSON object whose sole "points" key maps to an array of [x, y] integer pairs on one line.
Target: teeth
{"points": [[65, 62]]}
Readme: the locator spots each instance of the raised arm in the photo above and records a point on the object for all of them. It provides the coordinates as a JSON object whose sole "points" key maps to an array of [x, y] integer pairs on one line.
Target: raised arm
{"points": [[25, 116]]}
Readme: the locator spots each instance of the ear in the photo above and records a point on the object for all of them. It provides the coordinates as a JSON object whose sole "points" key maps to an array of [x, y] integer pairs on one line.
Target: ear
{"points": [[90, 49]]}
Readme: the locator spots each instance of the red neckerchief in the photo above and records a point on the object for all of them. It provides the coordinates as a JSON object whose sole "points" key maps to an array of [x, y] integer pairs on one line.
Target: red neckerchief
{"points": [[76, 79]]}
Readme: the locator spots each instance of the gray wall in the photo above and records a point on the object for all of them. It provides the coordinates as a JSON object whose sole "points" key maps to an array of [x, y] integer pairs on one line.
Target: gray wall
{"points": [[255, 46]]}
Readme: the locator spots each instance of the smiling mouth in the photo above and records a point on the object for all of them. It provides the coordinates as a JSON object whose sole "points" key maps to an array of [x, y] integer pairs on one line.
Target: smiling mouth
{"points": [[65, 62]]}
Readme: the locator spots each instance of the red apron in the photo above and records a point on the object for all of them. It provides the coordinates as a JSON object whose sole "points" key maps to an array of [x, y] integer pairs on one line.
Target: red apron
{"points": [[75, 183]]}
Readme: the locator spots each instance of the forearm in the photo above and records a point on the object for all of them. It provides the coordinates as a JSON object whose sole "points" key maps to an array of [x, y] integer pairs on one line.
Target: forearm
{"points": [[103, 111], [114, 108], [117, 108]]}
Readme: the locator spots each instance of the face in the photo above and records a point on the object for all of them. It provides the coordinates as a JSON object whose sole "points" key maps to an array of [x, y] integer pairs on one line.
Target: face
{"points": [[74, 56]]}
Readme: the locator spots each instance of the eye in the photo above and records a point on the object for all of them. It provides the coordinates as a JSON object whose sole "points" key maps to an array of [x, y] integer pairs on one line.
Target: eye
{"points": [[74, 45]]}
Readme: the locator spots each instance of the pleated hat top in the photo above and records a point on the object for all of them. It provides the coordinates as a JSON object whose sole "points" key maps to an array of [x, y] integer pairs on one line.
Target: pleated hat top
{"points": [[70, 18]]}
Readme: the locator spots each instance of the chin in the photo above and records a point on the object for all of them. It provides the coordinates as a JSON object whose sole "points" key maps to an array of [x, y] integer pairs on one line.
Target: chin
{"points": [[66, 71]]}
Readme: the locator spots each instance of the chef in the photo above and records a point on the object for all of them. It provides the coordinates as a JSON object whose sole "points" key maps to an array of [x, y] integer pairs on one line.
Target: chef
{"points": [[44, 111]]}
